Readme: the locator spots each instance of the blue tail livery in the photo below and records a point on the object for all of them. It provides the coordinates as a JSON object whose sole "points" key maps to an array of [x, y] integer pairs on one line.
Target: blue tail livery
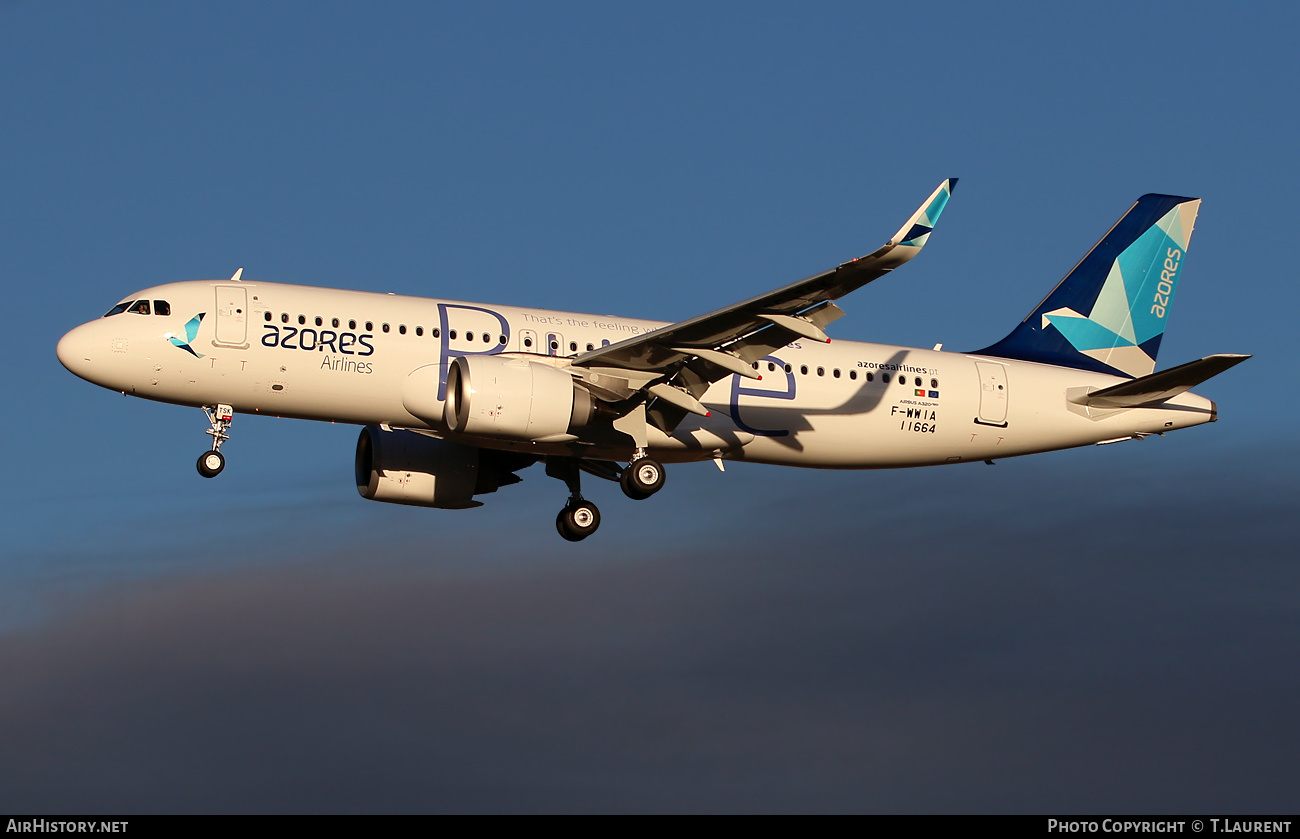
{"points": [[1109, 313]]}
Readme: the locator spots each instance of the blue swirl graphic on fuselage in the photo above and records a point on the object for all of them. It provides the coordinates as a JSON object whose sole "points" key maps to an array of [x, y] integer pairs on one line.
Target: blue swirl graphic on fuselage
{"points": [[738, 389], [446, 353]]}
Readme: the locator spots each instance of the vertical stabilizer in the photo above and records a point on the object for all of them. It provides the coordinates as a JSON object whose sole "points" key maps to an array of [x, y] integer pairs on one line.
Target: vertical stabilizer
{"points": [[1109, 313]]}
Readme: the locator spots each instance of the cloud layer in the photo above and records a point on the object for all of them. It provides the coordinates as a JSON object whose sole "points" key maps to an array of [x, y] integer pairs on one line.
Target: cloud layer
{"points": [[944, 648]]}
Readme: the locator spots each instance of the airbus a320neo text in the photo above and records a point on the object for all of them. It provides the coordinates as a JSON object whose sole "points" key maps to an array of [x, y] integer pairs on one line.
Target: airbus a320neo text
{"points": [[456, 398]]}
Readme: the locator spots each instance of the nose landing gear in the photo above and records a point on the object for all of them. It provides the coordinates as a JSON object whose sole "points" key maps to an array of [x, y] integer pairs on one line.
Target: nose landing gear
{"points": [[212, 462]]}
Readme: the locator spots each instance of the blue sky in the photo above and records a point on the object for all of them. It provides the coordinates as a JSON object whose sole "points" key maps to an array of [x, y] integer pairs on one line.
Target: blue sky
{"points": [[1034, 636]]}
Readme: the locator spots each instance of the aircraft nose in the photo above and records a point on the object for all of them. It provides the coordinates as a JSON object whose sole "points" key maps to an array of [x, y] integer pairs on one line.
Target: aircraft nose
{"points": [[74, 351]]}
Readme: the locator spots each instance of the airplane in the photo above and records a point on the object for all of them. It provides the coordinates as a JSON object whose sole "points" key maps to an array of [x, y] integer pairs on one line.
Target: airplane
{"points": [[455, 398]]}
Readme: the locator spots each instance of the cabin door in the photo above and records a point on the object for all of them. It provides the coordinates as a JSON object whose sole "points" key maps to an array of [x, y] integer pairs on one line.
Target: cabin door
{"points": [[232, 316], [993, 393]]}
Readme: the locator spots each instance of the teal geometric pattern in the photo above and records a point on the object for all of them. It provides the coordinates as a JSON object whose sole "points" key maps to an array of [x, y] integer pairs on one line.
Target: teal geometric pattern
{"points": [[191, 332], [925, 220], [1133, 304]]}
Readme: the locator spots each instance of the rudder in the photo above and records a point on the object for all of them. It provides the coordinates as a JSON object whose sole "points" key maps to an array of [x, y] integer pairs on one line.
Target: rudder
{"points": [[1109, 312]]}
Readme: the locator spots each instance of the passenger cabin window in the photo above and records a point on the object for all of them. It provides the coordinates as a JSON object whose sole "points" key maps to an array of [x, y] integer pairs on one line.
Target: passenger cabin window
{"points": [[162, 307], [401, 328], [267, 316]]}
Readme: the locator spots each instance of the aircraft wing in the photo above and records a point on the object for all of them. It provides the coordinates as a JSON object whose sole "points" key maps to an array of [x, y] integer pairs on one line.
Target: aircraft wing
{"points": [[695, 353]]}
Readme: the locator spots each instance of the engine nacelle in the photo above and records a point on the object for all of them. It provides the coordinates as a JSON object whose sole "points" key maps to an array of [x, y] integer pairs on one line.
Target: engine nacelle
{"points": [[403, 467], [513, 399]]}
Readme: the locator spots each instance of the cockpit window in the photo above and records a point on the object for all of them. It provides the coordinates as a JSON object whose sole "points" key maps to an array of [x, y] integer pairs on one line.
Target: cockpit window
{"points": [[118, 309], [162, 307], [140, 307]]}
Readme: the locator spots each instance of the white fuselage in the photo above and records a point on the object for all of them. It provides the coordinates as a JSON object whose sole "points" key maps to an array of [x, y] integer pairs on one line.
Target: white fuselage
{"points": [[365, 358]]}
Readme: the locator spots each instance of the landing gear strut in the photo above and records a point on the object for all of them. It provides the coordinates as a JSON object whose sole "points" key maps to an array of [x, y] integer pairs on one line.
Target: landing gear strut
{"points": [[643, 477], [212, 462], [579, 518]]}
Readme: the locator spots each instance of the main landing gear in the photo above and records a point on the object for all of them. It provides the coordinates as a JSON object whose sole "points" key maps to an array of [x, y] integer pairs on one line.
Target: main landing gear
{"points": [[579, 518], [212, 462], [642, 478]]}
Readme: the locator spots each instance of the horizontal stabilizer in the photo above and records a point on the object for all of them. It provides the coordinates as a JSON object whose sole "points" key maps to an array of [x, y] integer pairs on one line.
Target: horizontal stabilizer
{"points": [[1159, 387]]}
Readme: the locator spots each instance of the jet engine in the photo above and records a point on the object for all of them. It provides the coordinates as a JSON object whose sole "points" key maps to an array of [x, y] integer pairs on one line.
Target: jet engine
{"points": [[403, 467], [514, 399]]}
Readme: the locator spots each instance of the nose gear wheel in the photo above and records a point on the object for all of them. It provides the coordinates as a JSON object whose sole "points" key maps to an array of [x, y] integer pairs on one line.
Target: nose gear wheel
{"points": [[220, 417], [211, 463]]}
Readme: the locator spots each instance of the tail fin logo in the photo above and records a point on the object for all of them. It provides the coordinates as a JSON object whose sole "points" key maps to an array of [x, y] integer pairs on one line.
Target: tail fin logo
{"points": [[1110, 311], [1127, 319]]}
